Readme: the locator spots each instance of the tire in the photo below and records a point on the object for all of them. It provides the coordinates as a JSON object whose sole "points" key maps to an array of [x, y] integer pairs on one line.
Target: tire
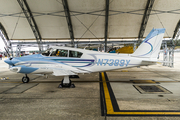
{"points": [[25, 79]]}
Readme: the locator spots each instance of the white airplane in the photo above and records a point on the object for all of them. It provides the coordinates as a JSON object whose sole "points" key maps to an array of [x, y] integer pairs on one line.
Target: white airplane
{"points": [[65, 61]]}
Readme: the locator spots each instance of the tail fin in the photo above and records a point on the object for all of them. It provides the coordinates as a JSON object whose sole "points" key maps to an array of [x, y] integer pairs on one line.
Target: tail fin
{"points": [[150, 47]]}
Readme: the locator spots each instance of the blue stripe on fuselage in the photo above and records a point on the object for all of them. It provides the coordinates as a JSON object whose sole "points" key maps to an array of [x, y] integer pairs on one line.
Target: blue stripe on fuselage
{"points": [[26, 70], [39, 59]]}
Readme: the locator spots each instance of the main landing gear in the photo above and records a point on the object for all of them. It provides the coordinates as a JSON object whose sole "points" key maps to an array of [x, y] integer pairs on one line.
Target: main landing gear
{"points": [[66, 82], [25, 79]]}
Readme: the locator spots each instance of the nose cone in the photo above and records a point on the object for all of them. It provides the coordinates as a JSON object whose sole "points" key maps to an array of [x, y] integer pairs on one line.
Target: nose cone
{"points": [[8, 61], [15, 60]]}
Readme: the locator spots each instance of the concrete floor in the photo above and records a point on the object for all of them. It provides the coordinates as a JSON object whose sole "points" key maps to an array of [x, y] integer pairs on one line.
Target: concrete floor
{"points": [[42, 99]]}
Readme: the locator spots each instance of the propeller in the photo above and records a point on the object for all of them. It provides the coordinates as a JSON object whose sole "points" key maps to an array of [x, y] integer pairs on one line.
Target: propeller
{"points": [[7, 52], [9, 60]]}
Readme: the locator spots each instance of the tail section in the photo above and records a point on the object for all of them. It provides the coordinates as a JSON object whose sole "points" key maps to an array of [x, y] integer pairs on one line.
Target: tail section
{"points": [[150, 47]]}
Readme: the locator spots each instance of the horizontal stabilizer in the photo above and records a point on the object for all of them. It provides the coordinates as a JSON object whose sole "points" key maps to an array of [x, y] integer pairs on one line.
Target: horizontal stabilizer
{"points": [[154, 61], [149, 62]]}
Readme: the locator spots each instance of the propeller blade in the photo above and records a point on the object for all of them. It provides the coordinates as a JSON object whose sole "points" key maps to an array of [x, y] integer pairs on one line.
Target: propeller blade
{"points": [[7, 52]]}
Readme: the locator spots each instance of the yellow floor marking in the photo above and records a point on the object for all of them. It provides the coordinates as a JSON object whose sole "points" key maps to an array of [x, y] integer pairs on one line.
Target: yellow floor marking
{"points": [[110, 109], [109, 106], [143, 81]]}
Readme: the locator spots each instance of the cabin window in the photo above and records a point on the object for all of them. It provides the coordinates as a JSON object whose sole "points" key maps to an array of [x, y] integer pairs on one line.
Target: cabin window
{"points": [[47, 52], [59, 53], [75, 54]]}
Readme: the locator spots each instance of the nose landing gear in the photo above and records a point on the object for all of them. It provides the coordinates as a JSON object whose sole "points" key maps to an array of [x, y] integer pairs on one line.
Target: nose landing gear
{"points": [[25, 79]]}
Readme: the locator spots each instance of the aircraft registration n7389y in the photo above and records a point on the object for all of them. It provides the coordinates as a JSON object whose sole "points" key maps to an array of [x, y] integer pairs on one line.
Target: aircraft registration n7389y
{"points": [[65, 61]]}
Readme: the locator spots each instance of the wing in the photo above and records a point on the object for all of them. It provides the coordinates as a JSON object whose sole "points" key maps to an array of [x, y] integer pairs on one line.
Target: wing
{"points": [[61, 72], [67, 70]]}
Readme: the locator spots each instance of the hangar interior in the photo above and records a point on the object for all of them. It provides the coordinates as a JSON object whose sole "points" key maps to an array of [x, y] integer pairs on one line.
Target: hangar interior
{"points": [[72, 22], [81, 23]]}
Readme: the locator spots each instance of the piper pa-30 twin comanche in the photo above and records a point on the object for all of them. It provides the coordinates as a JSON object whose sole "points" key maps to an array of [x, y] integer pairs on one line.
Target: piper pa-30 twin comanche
{"points": [[64, 61]]}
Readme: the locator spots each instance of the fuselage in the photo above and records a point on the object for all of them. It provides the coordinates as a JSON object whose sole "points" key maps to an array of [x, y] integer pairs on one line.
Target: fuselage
{"points": [[83, 61]]}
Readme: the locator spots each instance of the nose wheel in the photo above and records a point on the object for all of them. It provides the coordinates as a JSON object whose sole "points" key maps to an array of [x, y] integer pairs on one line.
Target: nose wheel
{"points": [[25, 79]]}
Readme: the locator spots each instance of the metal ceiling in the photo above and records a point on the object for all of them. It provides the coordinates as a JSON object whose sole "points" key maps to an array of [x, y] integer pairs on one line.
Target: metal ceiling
{"points": [[87, 19]]}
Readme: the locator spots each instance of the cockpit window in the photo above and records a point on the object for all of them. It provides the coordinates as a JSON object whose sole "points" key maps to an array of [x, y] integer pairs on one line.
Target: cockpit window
{"points": [[62, 53], [59, 53], [47, 52], [75, 54]]}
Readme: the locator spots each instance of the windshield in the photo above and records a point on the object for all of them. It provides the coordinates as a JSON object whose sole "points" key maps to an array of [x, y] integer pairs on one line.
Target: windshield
{"points": [[47, 52], [59, 53]]}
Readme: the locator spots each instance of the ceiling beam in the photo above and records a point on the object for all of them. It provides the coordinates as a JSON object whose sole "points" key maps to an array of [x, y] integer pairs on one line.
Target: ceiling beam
{"points": [[27, 12], [176, 30], [68, 18], [106, 24], [6, 40], [80, 42], [4, 31], [146, 15]]}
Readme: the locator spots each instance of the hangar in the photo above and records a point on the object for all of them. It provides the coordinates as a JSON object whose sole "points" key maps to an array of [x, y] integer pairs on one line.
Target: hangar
{"points": [[79, 20], [76, 22]]}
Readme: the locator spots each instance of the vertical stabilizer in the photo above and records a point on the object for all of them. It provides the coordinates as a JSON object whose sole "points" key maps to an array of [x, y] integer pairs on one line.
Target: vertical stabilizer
{"points": [[150, 47]]}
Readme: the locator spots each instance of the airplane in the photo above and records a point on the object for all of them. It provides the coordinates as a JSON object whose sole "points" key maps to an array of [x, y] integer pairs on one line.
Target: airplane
{"points": [[66, 61]]}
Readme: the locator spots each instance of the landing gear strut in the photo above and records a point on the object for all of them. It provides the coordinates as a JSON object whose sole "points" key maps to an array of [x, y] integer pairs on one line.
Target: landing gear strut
{"points": [[66, 82], [25, 79]]}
